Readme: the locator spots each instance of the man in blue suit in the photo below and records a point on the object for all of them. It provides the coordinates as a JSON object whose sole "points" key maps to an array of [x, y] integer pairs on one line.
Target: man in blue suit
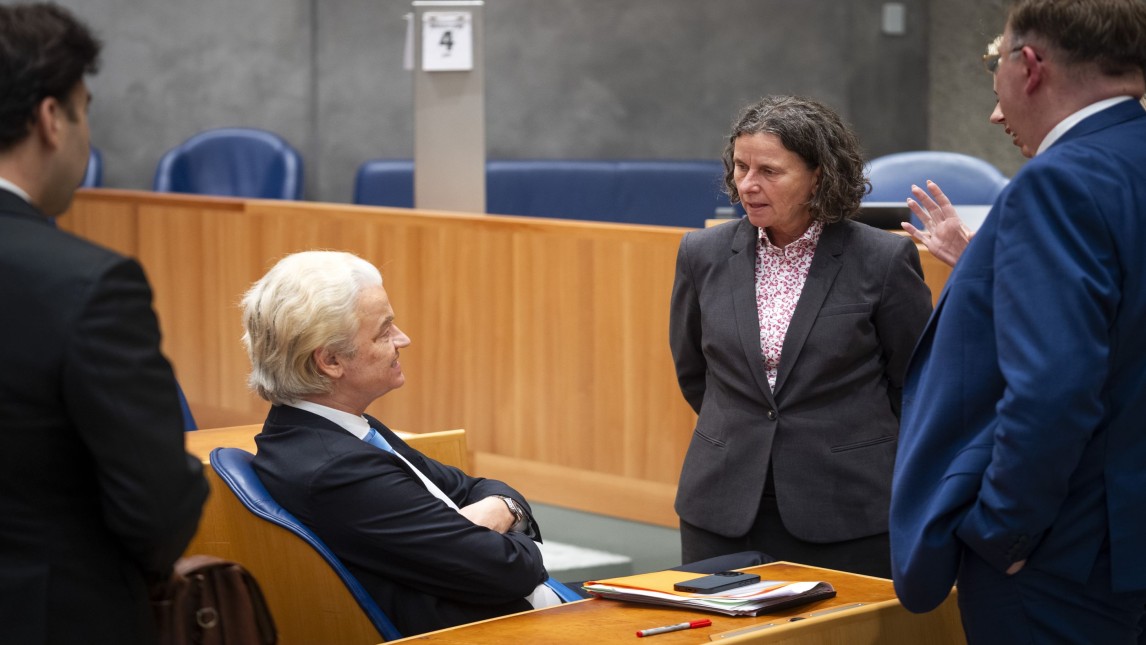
{"points": [[1020, 466]]}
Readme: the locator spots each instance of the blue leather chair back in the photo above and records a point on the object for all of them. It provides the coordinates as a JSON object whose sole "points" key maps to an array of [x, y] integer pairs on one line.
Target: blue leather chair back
{"points": [[662, 192], [385, 182], [233, 466], [963, 178], [236, 162], [93, 175]]}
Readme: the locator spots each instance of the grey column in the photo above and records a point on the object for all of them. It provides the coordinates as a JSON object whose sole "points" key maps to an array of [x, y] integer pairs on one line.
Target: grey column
{"points": [[449, 122]]}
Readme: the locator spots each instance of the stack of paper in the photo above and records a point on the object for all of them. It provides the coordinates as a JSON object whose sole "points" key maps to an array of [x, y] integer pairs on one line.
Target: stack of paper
{"points": [[760, 598]]}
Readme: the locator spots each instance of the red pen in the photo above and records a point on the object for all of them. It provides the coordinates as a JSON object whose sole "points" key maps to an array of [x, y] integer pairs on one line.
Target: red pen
{"points": [[674, 628]]}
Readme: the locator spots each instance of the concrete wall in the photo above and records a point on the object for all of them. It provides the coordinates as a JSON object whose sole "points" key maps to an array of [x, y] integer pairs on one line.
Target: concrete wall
{"points": [[564, 78], [960, 93]]}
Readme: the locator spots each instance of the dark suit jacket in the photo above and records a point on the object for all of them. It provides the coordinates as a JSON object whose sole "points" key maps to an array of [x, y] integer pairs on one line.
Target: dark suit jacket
{"points": [[426, 565], [829, 430], [96, 491], [1023, 432]]}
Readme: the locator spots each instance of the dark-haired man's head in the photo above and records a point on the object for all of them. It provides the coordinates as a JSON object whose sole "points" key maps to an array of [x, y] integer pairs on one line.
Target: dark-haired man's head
{"points": [[45, 53]]}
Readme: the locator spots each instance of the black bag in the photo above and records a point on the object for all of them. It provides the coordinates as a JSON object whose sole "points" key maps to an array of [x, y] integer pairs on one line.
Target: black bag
{"points": [[211, 601]]}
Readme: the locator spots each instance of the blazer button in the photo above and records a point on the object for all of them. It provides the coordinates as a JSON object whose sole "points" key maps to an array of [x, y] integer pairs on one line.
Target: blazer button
{"points": [[771, 415]]}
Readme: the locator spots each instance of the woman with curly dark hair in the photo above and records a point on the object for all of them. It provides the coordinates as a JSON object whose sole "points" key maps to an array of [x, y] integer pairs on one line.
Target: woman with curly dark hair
{"points": [[790, 330]]}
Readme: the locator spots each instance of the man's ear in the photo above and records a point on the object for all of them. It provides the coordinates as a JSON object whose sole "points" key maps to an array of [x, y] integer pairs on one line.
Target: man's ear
{"points": [[47, 125], [1035, 68], [327, 363]]}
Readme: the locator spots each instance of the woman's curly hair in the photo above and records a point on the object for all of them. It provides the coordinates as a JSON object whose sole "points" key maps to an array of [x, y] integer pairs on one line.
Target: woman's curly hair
{"points": [[818, 135]]}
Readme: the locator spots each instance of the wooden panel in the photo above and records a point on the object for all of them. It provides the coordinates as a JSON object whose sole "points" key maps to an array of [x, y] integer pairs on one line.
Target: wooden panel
{"points": [[201, 442], [112, 223], [546, 339], [309, 602], [640, 500], [935, 272]]}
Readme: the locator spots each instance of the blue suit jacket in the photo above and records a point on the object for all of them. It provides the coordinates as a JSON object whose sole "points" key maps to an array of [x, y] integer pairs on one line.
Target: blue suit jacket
{"points": [[1024, 404]]}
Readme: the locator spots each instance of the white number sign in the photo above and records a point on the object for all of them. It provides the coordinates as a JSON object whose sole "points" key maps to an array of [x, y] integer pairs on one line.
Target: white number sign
{"points": [[447, 41]]}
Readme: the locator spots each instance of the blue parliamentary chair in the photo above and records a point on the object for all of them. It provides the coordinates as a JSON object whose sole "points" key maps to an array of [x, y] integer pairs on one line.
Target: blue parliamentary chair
{"points": [[233, 466], [385, 182], [963, 178], [661, 192], [664, 192], [93, 174], [235, 162]]}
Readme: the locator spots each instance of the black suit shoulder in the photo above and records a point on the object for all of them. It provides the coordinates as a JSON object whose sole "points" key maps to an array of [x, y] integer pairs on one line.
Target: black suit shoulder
{"points": [[102, 494]]}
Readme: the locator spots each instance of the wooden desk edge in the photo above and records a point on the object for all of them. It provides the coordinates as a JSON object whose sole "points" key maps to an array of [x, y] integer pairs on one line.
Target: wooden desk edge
{"points": [[422, 637], [785, 624], [201, 442]]}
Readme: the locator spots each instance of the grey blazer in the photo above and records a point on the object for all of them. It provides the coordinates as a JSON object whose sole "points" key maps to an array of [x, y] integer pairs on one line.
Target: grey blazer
{"points": [[830, 428]]}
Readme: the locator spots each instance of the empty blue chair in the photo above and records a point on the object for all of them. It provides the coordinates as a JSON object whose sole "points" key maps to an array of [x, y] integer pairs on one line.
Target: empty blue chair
{"points": [[963, 178], [661, 192], [235, 162], [93, 175], [385, 182]]}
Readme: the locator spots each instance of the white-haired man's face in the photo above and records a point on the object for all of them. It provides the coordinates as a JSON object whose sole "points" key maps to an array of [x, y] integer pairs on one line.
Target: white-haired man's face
{"points": [[374, 368]]}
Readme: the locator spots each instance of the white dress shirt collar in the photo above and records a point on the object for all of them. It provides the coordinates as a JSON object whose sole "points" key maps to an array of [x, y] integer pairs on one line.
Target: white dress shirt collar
{"points": [[1069, 122], [13, 188], [352, 423]]}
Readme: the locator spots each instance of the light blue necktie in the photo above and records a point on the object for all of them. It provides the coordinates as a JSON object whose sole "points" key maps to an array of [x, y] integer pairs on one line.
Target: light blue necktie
{"points": [[377, 440]]}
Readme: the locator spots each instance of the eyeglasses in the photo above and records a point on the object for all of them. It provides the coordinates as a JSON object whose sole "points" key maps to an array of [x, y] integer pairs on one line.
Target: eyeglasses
{"points": [[991, 58]]}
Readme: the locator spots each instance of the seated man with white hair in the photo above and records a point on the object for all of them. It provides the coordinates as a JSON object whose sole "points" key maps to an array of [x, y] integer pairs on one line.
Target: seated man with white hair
{"points": [[433, 546]]}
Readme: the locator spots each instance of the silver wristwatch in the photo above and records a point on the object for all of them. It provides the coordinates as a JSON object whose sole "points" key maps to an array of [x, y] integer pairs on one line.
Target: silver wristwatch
{"points": [[519, 521]]}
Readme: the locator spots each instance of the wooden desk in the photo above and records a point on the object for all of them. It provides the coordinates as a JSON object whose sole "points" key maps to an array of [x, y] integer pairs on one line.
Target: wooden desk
{"points": [[880, 620]]}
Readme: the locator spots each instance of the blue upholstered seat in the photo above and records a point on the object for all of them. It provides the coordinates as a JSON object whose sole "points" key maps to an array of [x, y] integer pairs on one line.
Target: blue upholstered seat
{"points": [[385, 182], [236, 162], [93, 175], [662, 192], [963, 178]]}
